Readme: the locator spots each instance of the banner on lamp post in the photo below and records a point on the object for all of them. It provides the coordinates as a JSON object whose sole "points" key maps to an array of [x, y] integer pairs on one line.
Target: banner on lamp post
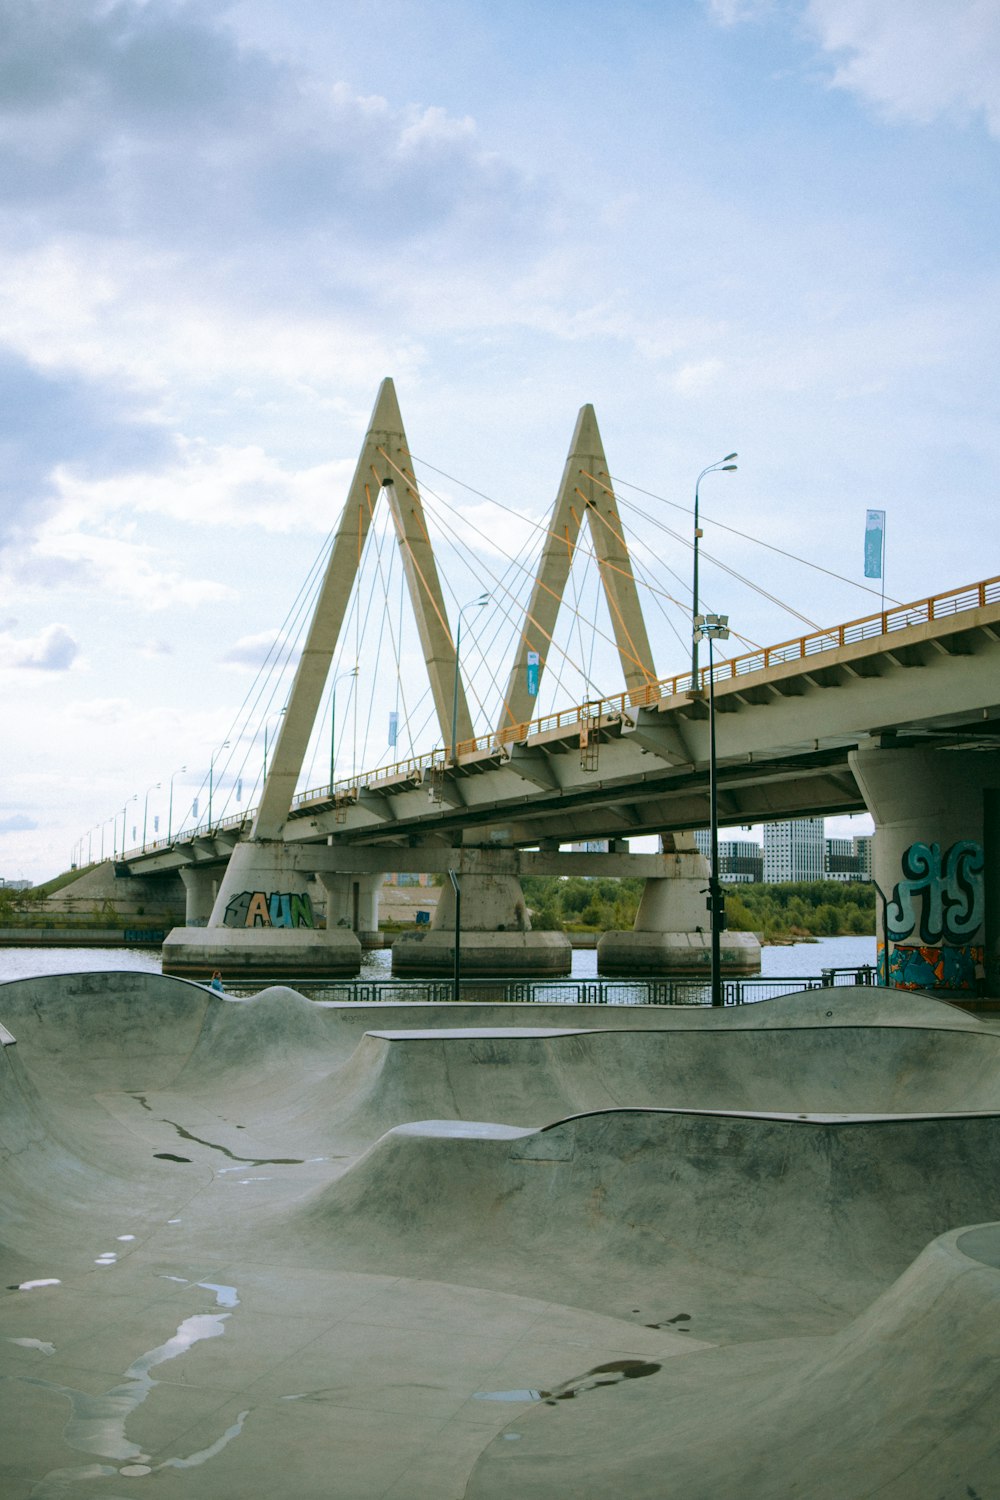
{"points": [[874, 543], [533, 671], [393, 729]]}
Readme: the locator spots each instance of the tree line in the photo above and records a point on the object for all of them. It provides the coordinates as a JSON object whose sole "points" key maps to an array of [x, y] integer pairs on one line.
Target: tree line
{"points": [[816, 908]]}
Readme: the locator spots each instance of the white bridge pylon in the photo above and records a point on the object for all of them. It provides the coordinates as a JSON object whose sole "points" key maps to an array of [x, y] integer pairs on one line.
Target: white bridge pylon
{"points": [[384, 467]]}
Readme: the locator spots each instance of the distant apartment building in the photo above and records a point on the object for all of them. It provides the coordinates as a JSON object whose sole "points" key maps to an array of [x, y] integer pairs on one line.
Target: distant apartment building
{"points": [[794, 850], [849, 859], [740, 860]]}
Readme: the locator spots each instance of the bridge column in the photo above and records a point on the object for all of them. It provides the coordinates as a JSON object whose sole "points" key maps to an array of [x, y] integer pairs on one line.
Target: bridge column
{"points": [[495, 938], [262, 925], [199, 889], [672, 931], [352, 901], [936, 860]]}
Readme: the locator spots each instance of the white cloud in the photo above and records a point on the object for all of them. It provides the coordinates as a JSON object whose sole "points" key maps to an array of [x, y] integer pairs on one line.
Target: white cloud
{"points": [[251, 651], [52, 650], [917, 59]]}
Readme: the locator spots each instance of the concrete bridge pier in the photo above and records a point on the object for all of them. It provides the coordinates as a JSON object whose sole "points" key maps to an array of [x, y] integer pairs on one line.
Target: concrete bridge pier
{"points": [[200, 888], [672, 933], [352, 901], [495, 936], [936, 860], [262, 925]]}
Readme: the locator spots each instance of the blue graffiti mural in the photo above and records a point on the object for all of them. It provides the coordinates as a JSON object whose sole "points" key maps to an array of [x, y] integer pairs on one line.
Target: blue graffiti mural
{"points": [[951, 892], [952, 968], [277, 909]]}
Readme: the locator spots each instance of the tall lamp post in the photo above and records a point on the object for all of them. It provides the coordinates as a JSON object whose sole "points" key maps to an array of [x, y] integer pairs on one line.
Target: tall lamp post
{"points": [[473, 604], [170, 803], [333, 720], [713, 628], [211, 776], [114, 853], [145, 810], [267, 724], [721, 466]]}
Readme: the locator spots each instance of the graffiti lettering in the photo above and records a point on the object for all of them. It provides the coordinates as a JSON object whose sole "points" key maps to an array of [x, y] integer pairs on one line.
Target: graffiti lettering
{"points": [[274, 909], [930, 968], [951, 907]]}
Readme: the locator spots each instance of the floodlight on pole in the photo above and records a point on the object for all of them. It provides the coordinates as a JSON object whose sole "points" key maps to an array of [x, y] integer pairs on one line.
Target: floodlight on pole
{"points": [[721, 466]]}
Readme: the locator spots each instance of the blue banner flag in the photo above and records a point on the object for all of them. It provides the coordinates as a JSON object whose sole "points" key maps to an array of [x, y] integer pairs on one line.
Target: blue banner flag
{"points": [[194, 808], [156, 823], [533, 669], [874, 543], [239, 789], [393, 728]]}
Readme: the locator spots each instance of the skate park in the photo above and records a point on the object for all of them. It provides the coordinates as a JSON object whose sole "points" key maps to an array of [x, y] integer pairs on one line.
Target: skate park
{"points": [[274, 1246]]}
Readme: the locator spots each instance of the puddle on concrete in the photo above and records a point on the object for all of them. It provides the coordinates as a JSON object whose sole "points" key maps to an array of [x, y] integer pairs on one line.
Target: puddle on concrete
{"points": [[39, 1344], [96, 1424], [672, 1323], [250, 1161], [143, 1101], [612, 1373], [169, 1156]]}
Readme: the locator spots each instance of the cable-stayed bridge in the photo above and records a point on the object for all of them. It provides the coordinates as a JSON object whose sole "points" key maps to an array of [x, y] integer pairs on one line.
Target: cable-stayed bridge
{"points": [[832, 720]]}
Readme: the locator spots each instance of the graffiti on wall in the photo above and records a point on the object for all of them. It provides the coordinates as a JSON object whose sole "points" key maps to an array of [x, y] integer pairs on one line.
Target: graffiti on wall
{"points": [[930, 968], [274, 909], [950, 888]]}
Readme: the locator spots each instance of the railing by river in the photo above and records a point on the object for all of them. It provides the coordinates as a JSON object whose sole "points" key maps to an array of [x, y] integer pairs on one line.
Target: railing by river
{"points": [[677, 991]]}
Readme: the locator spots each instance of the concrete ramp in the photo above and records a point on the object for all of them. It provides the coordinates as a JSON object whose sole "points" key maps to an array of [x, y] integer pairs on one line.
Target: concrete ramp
{"points": [[900, 1404], [745, 1223], [269, 1246]]}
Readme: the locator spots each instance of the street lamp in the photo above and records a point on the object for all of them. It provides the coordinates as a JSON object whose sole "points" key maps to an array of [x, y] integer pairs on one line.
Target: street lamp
{"points": [[170, 803], [473, 604], [713, 628], [145, 810], [267, 723], [333, 720], [211, 774], [721, 466], [114, 853]]}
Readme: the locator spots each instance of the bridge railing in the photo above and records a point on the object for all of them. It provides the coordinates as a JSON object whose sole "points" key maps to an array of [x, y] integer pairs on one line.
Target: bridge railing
{"points": [[613, 709]]}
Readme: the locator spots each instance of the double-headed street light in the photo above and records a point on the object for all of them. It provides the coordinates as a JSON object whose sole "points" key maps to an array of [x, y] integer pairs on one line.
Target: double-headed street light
{"points": [[145, 810], [713, 628], [170, 803], [476, 603], [721, 466], [333, 720], [134, 798], [211, 775]]}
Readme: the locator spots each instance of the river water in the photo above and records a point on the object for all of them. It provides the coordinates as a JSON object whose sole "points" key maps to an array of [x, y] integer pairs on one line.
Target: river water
{"points": [[794, 960]]}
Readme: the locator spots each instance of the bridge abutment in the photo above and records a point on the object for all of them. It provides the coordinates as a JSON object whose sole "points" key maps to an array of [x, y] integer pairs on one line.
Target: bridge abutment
{"points": [[936, 859], [672, 933], [494, 934], [262, 925]]}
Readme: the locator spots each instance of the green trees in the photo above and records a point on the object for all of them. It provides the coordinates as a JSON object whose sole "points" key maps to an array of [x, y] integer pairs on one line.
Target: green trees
{"points": [[821, 908]]}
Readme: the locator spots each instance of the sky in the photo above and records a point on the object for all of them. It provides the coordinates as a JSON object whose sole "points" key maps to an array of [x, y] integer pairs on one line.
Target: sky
{"points": [[767, 226]]}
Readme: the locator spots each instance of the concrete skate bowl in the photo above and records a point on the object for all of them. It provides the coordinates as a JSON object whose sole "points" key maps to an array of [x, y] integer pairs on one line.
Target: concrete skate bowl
{"points": [[271, 1247]]}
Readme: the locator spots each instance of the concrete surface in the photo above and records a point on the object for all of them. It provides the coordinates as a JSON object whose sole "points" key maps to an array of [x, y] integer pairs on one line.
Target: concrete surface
{"points": [[437, 1252]]}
